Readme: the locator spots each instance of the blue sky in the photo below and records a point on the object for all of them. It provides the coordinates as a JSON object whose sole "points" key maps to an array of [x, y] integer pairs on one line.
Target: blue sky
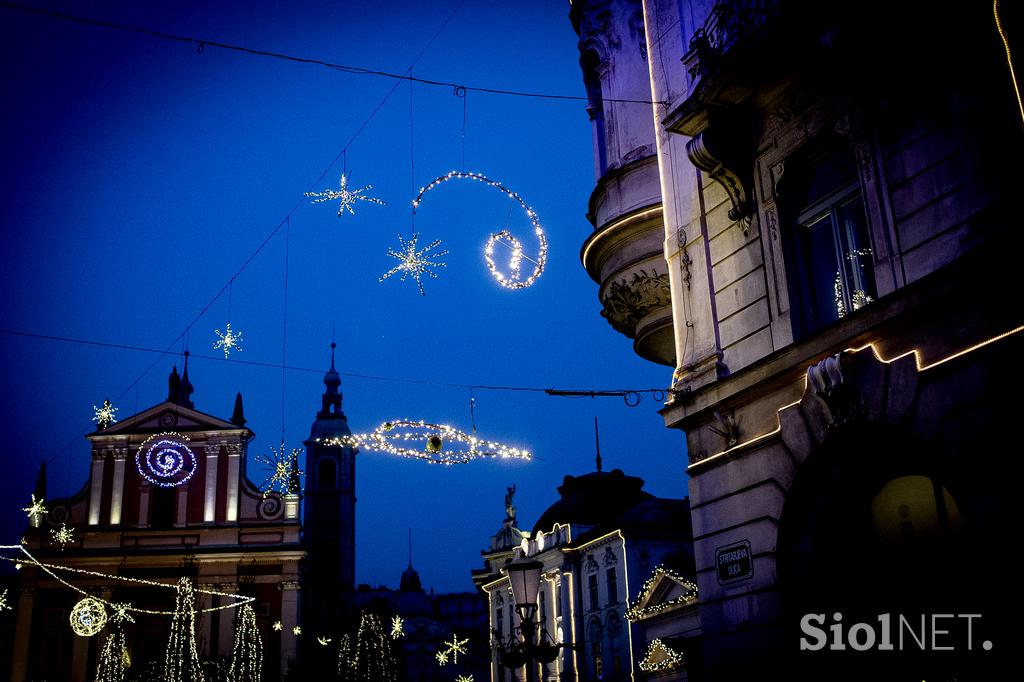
{"points": [[139, 174]]}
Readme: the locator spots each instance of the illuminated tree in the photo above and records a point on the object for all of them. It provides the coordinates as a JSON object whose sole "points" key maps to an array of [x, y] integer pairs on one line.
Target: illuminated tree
{"points": [[181, 663], [373, 661], [247, 657]]}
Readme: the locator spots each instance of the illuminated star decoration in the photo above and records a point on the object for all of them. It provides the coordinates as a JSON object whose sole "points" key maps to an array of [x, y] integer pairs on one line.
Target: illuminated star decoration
{"points": [[121, 614], [104, 416], [442, 657], [297, 630], [512, 279], [323, 641], [397, 629], [347, 197], [464, 678], [63, 536], [3, 602], [278, 466], [456, 647], [277, 625], [229, 340], [413, 263], [36, 509]]}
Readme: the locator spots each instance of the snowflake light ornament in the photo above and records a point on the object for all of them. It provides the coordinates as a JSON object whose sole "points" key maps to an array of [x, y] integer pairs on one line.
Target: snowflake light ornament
{"points": [[442, 657], [229, 340], [63, 536], [3, 602], [347, 197], [464, 678], [323, 641], [278, 466], [455, 647], [397, 627], [297, 630], [277, 626], [35, 510], [104, 415], [413, 263]]}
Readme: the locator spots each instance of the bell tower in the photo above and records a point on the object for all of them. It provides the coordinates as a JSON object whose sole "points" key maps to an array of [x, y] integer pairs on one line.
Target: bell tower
{"points": [[329, 515]]}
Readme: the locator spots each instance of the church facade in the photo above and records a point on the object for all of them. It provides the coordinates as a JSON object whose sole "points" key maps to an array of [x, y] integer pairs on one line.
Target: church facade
{"points": [[169, 495]]}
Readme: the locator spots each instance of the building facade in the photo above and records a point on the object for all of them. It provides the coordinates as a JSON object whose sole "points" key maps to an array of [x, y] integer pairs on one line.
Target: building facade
{"points": [[597, 543], [839, 244]]}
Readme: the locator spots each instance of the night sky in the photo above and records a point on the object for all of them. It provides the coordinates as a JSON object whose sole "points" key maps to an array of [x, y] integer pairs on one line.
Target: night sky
{"points": [[140, 174]]}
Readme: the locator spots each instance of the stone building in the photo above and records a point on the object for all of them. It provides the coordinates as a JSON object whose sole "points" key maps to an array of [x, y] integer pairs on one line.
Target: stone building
{"points": [[598, 542], [821, 200]]}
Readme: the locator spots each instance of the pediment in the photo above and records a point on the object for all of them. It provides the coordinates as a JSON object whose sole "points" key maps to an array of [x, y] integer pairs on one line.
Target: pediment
{"points": [[167, 416], [663, 590], [661, 655]]}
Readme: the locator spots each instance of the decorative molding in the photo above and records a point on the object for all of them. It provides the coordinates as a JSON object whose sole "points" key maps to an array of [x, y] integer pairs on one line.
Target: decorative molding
{"points": [[609, 557], [719, 156], [626, 302]]}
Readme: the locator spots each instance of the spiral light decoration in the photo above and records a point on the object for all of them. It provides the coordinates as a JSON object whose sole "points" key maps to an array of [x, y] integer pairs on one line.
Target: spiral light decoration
{"points": [[513, 279], [164, 460]]}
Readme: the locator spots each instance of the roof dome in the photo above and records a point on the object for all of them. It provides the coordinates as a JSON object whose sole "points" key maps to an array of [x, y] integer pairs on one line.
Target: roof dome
{"points": [[595, 499]]}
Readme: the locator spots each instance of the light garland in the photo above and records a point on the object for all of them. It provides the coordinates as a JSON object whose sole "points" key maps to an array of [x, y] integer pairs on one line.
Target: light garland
{"points": [[247, 653], [512, 280], [181, 662], [397, 627], [670, 659], [50, 569], [228, 341], [113, 658], [35, 510], [348, 197], [104, 415], [635, 612], [413, 263], [167, 462], [345, 662], [455, 647], [279, 468], [63, 536], [88, 617], [435, 443]]}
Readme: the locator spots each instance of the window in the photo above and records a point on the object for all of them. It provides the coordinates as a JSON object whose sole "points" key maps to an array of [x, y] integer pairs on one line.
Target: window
{"points": [[500, 622], [541, 606], [613, 588], [830, 267], [593, 592], [596, 650]]}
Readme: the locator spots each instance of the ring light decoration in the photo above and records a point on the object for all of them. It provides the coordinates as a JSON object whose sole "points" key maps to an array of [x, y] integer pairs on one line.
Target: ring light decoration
{"points": [[513, 279], [165, 460], [88, 617]]}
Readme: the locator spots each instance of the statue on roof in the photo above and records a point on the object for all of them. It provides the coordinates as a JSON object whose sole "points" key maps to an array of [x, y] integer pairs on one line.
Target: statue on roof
{"points": [[510, 509]]}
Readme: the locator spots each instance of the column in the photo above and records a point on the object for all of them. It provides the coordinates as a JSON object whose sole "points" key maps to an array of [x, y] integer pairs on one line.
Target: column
{"points": [[96, 488], [144, 504], [204, 619], [80, 658], [226, 634], [23, 628], [181, 506], [234, 461], [289, 619], [210, 501], [117, 494]]}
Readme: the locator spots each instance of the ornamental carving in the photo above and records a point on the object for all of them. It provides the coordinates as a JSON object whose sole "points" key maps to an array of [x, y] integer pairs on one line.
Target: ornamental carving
{"points": [[626, 302]]}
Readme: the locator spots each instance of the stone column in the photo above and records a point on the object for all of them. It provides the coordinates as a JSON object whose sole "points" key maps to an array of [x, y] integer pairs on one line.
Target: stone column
{"points": [[204, 620], [144, 504], [117, 493], [234, 463], [181, 507], [226, 635], [289, 619], [96, 488], [80, 658], [23, 628], [210, 502]]}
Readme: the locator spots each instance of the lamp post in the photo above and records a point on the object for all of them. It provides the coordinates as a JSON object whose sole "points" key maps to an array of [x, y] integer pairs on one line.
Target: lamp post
{"points": [[524, 578]]}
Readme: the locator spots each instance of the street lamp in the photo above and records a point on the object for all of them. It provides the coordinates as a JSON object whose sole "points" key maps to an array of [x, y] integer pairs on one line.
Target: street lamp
{"points": [[534, 647]]}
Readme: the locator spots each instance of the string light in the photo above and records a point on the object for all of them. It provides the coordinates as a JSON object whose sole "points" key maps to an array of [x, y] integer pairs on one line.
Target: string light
{"points": [[513, 279], [235, 600], [247, 653], [228, 341], [668, 658], [345, 662], [104, 415], [113, 658], [636, 612], [373, 659], [36, 509], [181, 662], [278, 466], [63, 536], [435, 443], [167, 462], [397, 627], [413, 263], [88, 617], [348, 197], [455, 647]]}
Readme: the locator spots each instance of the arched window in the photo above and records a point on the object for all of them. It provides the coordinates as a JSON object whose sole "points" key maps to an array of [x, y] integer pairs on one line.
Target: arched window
{"points": [[595, 633], [327, 474]]}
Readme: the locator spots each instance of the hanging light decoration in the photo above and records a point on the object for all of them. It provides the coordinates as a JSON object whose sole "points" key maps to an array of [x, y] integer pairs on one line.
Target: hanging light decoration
{"points": [[165, 460]]}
